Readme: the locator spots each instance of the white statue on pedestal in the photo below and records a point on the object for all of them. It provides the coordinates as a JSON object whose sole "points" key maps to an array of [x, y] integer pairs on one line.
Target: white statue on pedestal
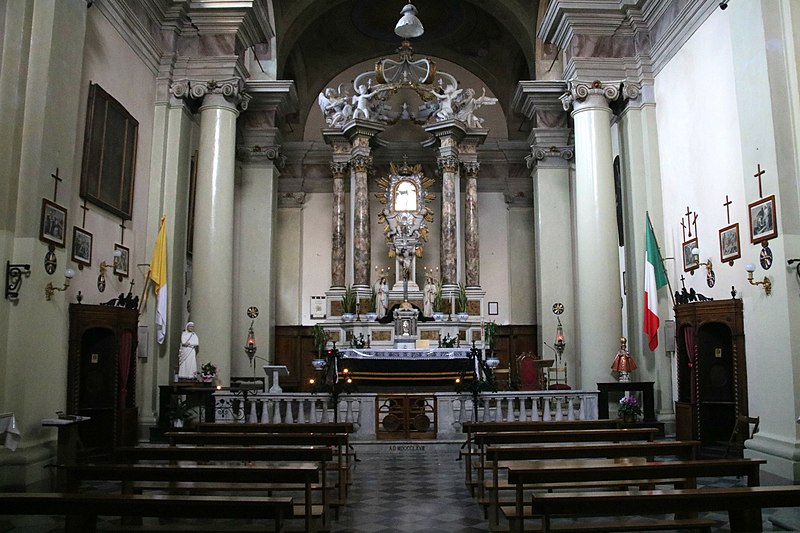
{"points": [[381, 297], [429, 294], [187, 355]]}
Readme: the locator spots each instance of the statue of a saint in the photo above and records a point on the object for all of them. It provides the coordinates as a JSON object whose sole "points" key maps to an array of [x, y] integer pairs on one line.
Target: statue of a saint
{"points": [[187, 355], [381, 297], [623, 362], [429, 294]]}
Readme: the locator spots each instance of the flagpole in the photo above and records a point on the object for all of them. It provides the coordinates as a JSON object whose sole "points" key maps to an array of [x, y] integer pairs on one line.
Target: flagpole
{"points": [[143, 299], [669, 285]]}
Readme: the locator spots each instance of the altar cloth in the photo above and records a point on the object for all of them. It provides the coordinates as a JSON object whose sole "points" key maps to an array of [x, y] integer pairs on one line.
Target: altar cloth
{"points": [[406, 366]]}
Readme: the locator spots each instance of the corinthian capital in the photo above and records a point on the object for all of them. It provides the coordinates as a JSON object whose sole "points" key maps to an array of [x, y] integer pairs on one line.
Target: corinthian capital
{"points": [[338, 168], [232, 90], [447, 163], [611, 91], [471, 168], [361, 163]]}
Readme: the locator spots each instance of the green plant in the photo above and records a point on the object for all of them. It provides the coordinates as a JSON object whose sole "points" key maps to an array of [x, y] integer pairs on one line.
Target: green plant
{"points": [[207, 372], [320, 338], [438, 301], [490, 334], [447, 341], [372, 302], [181, 410], [461, 299], [629, 407], [349, 300]]}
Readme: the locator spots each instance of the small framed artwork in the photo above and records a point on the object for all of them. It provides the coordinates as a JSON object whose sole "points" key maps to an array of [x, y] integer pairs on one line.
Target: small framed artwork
{"points": [[729, 248], [493, 310], [122, 263], [690, 261], [81, 246], [53, 226], [318, 307], [763, 225]]}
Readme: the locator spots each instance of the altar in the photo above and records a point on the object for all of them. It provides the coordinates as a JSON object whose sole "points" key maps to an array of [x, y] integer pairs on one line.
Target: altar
{"points": [[418, 367]]}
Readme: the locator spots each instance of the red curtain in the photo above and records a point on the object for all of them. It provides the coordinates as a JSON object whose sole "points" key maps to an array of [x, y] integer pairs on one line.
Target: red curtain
{"points": [[125, 356], [691, 353]]}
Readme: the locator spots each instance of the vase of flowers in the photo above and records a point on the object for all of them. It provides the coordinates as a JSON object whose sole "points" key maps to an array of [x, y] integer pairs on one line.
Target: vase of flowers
{"points": [[629, 409], [207, 373]]}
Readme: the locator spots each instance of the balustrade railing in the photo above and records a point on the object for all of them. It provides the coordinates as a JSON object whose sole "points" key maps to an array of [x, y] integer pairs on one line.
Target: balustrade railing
{"points": [[453, 409]]}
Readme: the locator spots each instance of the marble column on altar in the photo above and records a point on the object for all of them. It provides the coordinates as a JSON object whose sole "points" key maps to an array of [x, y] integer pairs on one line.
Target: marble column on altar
{"points": [[212, 275], [338, 254], [449, 134], [472, 252], [598, 289], [359, 132]]}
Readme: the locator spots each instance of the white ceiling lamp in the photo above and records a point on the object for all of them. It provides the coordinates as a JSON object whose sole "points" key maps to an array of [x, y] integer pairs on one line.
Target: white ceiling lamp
{"points": [[409, 25]]}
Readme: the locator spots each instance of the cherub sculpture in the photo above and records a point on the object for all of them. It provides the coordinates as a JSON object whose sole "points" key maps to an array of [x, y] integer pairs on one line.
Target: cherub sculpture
{"points": [[362, 102], [469, 103], [446, 101], [335, 106]]}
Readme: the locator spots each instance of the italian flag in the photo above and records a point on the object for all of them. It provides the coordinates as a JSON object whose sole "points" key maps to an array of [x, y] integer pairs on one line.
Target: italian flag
{"points": [[654, 279]]}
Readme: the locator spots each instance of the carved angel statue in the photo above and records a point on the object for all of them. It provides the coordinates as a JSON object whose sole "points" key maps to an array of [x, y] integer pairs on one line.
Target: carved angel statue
{"points": [[362, 102], [469, 103], [446, 101], [335, 106]]}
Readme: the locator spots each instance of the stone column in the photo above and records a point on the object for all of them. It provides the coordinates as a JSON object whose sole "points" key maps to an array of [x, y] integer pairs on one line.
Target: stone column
{"points": [[359, 133], [449, 134], [599, 297], [212, 282], [339, 227], [472, 252]]}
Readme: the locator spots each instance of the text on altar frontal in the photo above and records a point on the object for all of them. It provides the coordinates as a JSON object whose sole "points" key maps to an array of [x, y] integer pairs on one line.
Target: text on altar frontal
{"points": [[407, 448]]}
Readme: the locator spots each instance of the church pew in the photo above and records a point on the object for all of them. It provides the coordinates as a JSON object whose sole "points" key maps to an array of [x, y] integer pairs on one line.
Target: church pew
{"points": [[564, 471], [472, 427], [483, 439], [743, 504], [686, 450], [338, 441], [233, 454], [82, 509], [306, 474]]}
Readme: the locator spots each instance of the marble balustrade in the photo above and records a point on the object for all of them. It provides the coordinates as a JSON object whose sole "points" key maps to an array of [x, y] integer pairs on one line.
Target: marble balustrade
{"points": [[452, 409]]}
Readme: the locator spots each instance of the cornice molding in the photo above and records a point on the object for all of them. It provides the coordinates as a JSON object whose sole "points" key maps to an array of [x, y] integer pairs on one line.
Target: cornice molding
{"points": [[132, 31]]}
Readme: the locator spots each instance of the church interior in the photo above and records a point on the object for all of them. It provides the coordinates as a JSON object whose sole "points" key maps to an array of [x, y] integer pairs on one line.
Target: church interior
{"points": [[406, 217]]}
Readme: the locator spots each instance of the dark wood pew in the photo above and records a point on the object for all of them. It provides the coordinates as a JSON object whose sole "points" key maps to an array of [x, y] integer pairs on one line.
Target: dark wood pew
{"points": [[484, 439], [686, 450], [743, 505], [320, 455], [82, 509], [564, 471], [306, 474], [470, 428]]}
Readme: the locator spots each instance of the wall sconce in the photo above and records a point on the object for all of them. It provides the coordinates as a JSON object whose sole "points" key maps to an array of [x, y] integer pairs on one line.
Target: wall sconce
{"points": [[49, 290], [14, 275], [793, 261], [767, 284], [101, 279]]}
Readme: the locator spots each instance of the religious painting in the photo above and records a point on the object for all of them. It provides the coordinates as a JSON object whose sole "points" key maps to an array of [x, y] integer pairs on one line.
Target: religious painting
{"points": [[122, 263], [109, 154], [81, 246], [690, 260], [763, 225], [53, 224], [729, 248]]}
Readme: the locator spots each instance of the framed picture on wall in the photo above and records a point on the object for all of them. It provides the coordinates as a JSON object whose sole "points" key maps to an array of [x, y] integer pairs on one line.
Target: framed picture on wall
{"points": [[729, 248], [493, 308], [763, 225], [81, 246], [122, 263], [53, 224], [318, 307], [690, 260]]}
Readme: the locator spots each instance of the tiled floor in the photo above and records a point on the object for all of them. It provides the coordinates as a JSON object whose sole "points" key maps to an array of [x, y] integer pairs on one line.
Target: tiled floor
{"points": [[412, 487]]}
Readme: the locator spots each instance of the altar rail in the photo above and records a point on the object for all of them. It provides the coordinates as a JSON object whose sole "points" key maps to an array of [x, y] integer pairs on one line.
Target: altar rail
{"points": [[452, 409]]}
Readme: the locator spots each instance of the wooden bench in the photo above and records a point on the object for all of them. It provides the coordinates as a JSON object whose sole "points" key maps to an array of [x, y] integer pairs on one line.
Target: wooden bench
{"points": [[306, 474], [686, 450], [470, 428], [484, 439], [320, 455], [82, 509], [338, 441], [521, 473], [743, 505]]}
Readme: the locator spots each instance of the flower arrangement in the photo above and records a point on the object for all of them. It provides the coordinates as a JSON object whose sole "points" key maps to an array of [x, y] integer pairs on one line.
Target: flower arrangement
{"points": [[358, 342], [207, 372], [629, 407], [447, 341]]}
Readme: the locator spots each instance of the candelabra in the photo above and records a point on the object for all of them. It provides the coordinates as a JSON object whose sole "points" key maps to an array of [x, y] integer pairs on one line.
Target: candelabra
{"points": [[482, 379], [331, 381]]}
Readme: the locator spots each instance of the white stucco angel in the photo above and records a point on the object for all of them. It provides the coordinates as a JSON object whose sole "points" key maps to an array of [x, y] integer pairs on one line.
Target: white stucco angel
{"points": [[446, 100], [335, 106], [362, 102], [469, 103]]}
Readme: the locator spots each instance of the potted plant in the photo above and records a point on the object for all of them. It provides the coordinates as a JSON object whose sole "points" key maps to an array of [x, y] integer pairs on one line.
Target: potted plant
{"points": [[438, 304], [207, 373], [372, 306], [490, 335], [320, 339], [461, 303], [349, 304], [629, 409], [180, 413]]}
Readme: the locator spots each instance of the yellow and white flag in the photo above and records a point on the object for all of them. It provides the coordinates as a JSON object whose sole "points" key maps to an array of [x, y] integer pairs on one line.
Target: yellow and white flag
{"points": [[158, 274]]}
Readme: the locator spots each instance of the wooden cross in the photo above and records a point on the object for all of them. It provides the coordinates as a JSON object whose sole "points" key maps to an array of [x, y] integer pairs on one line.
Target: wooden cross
{"points": [[55, 185], [689, 220], [85, 209], [694, 222], [682, 281], [684, 229], [122, 233], [727, 205], [758, 175]]}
